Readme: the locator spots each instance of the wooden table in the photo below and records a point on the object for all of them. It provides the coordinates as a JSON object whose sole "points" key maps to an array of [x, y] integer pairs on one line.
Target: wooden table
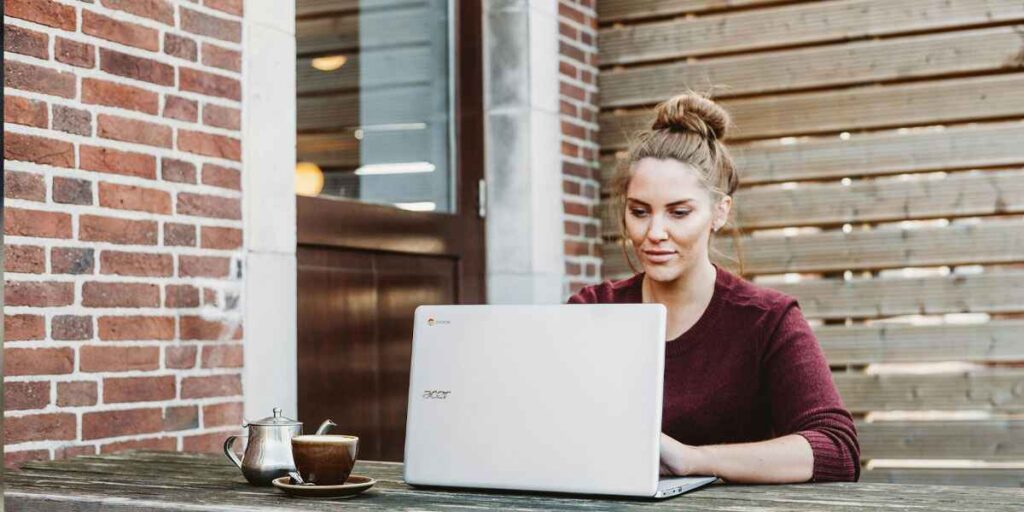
{"points": [[177, 481]]}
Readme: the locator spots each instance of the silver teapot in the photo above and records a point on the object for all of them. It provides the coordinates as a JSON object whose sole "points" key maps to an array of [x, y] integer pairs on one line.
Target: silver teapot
{"points": [[268, 453]]}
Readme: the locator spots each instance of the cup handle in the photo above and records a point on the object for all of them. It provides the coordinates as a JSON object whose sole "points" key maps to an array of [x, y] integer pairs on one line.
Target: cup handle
{"points": [[230, 453]]}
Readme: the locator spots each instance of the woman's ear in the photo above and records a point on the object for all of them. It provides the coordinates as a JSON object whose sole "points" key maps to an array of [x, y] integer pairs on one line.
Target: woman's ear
{"points": [[722, 209]]}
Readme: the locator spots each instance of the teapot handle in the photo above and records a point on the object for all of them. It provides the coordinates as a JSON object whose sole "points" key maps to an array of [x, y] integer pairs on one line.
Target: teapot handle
{"points": [[230, 453]]}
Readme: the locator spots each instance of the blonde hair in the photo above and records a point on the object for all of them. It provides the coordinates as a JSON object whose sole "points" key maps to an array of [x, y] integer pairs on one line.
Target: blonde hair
{"points": [[688, 128]]}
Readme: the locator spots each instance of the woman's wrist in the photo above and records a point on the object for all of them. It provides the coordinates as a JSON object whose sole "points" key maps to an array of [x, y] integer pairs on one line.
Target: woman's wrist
{"points": [[697, 461]]}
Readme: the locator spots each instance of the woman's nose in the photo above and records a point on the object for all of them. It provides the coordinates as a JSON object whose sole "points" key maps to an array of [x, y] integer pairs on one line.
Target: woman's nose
{"points": [[656, 231]]}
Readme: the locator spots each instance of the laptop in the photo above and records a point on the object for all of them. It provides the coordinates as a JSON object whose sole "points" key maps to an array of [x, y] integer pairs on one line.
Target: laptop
{"points": [[559, 398]]}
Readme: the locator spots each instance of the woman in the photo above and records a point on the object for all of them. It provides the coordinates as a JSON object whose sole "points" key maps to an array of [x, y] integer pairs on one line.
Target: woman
{"points": [[748, 394]]}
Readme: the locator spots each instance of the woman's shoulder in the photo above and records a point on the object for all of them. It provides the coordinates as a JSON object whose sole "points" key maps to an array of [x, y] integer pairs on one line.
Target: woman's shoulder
{"points": [[608, 292], [740, 292]]}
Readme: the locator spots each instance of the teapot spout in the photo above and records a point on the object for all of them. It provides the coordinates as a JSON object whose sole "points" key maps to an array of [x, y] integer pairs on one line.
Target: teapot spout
{"points": [[325, 426]]}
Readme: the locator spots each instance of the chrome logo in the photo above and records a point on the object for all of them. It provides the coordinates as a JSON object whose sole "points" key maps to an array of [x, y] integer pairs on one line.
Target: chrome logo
{"points": [[430, 322]]}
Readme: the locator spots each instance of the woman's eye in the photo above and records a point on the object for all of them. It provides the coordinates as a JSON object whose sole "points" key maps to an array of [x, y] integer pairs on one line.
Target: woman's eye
{"points": [[680, 213], [637, 212]]}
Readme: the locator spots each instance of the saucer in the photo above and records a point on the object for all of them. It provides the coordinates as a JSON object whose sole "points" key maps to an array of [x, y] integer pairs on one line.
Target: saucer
{"points": [[354, 485]]}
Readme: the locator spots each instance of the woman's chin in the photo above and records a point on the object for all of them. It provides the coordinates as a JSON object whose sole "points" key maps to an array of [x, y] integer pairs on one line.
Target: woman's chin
{"points": [[662, 272]]}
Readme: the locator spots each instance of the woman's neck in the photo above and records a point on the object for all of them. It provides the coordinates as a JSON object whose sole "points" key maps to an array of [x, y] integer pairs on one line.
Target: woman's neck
{"points": [[694, 287]]}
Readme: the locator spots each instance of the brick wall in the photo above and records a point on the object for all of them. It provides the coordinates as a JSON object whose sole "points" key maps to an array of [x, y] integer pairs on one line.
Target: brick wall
{"points": [[122, 151], [577, 61]]}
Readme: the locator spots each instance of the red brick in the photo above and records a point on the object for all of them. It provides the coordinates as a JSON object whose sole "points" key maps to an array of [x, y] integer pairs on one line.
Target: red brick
{"points": [[24, 111], [38, 361], [94, 228], [203, 266], [136, 264], [142, 328], [204, 443], [68, 452], [222, 415], [71, 327], [217, 385], [203, 205], [578, 248], [77, 393], [138, 389], [228, 6], [133, 130], [181, 418], [139, 68], [177, 171], [71, 191], [181, 296], [224, 177], [129, 197], [210, 144], [117, 162], [180, 358], [25, 327], [219, 57], [78, 54], [167, 444], [39, 294], [222, 356], [221, 238], [72, 260], [102, 92], [211, 26], [24, 185], [26, 42], [118, 359], [36, 223], [98, 425], [222, 117], [28, 77], [44, 12], [41, 150], [182, 109], [14, 460], [39, 427], [126, 295], [159, 10], [180, 47], [181, 235], [209, 84], [19, 396], [72, 120], [198, 328], [210, 297], [118, 31]]}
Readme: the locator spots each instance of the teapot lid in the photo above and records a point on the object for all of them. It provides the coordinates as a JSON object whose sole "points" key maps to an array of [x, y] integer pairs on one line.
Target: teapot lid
{"points": [[276, 420]]}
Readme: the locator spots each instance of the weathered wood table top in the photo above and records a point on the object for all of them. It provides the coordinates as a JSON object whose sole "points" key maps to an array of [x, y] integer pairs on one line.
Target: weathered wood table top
{"points": [[177, 481]]}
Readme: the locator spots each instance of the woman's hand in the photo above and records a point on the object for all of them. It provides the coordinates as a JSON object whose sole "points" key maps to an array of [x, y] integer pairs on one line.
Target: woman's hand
{"points": [[786, 459], [678, 459]]}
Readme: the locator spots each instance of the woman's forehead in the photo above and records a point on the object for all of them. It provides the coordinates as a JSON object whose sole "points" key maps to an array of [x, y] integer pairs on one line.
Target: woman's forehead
{"points": [[661, 181]]}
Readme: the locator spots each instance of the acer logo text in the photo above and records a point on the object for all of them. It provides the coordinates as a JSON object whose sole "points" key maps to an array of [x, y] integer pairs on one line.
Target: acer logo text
{"points": [[436, 395]]}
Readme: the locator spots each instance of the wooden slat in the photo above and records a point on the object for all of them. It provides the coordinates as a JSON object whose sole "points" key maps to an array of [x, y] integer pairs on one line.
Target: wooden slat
{"points": [[957, 147], [628, 10], [377, 29], [308, 8], [329, 149], [815, 22], [366, 70], [829, 204], [980, 440], [946, 476], [955, 195], [956, 244], [936, 102], [994, 391], [995, 341], [974, 51], [400, 105], [874, 298]]}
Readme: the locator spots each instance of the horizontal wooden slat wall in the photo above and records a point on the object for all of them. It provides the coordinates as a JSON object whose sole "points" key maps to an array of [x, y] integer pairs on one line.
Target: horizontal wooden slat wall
{"points": [[881, 154]]}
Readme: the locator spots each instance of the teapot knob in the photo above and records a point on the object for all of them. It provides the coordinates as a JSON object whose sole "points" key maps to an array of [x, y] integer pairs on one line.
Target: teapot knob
{"points": [[277, 412]]}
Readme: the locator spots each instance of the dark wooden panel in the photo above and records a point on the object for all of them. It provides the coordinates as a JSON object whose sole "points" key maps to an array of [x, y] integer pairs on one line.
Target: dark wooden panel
{"points": [[976, 440], [998, 340], [996, 390], [628, 10], [355, 338]]}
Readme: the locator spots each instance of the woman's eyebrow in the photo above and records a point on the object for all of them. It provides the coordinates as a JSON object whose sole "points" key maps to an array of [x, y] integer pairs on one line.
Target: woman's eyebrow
{"points": [[673, 203]]}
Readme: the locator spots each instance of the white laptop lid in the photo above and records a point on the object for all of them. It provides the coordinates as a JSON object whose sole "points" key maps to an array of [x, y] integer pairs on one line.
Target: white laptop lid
{"points": [[562, 398]]}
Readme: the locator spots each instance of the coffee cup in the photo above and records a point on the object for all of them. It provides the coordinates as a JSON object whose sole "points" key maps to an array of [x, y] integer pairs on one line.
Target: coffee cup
{"points": [[324, 459]]}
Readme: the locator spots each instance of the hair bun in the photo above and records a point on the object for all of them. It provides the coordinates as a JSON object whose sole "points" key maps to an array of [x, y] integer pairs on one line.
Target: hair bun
{"points": [[691, 112]]}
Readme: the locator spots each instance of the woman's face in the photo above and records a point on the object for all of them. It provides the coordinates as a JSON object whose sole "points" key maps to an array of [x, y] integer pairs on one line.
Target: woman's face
{"points": [[669, 217]]}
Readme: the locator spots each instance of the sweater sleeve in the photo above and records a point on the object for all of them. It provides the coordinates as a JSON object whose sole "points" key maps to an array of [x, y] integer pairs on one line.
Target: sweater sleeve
{"points": [[804, 399]]}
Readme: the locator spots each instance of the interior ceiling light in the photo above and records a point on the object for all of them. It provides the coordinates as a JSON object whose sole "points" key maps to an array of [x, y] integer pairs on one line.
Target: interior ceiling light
{"points": [[309, 179], [329, 63]]}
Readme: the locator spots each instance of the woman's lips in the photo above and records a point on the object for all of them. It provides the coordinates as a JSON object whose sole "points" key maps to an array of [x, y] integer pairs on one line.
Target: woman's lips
{"points": [[659, 256]]}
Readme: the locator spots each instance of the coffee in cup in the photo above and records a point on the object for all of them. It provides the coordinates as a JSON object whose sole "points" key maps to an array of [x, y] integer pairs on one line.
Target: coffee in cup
{"points": [[324, 459]]}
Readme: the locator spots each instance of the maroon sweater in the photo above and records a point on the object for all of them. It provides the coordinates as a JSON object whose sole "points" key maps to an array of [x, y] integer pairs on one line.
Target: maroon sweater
{"points": [[750, 369]]}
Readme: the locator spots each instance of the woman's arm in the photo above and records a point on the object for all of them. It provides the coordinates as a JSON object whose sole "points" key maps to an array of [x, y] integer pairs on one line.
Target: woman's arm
{"points": [[786, 459]]}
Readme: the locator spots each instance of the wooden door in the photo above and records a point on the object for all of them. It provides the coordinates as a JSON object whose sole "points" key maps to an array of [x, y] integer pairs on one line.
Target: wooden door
{"points": [[363, 268]]}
